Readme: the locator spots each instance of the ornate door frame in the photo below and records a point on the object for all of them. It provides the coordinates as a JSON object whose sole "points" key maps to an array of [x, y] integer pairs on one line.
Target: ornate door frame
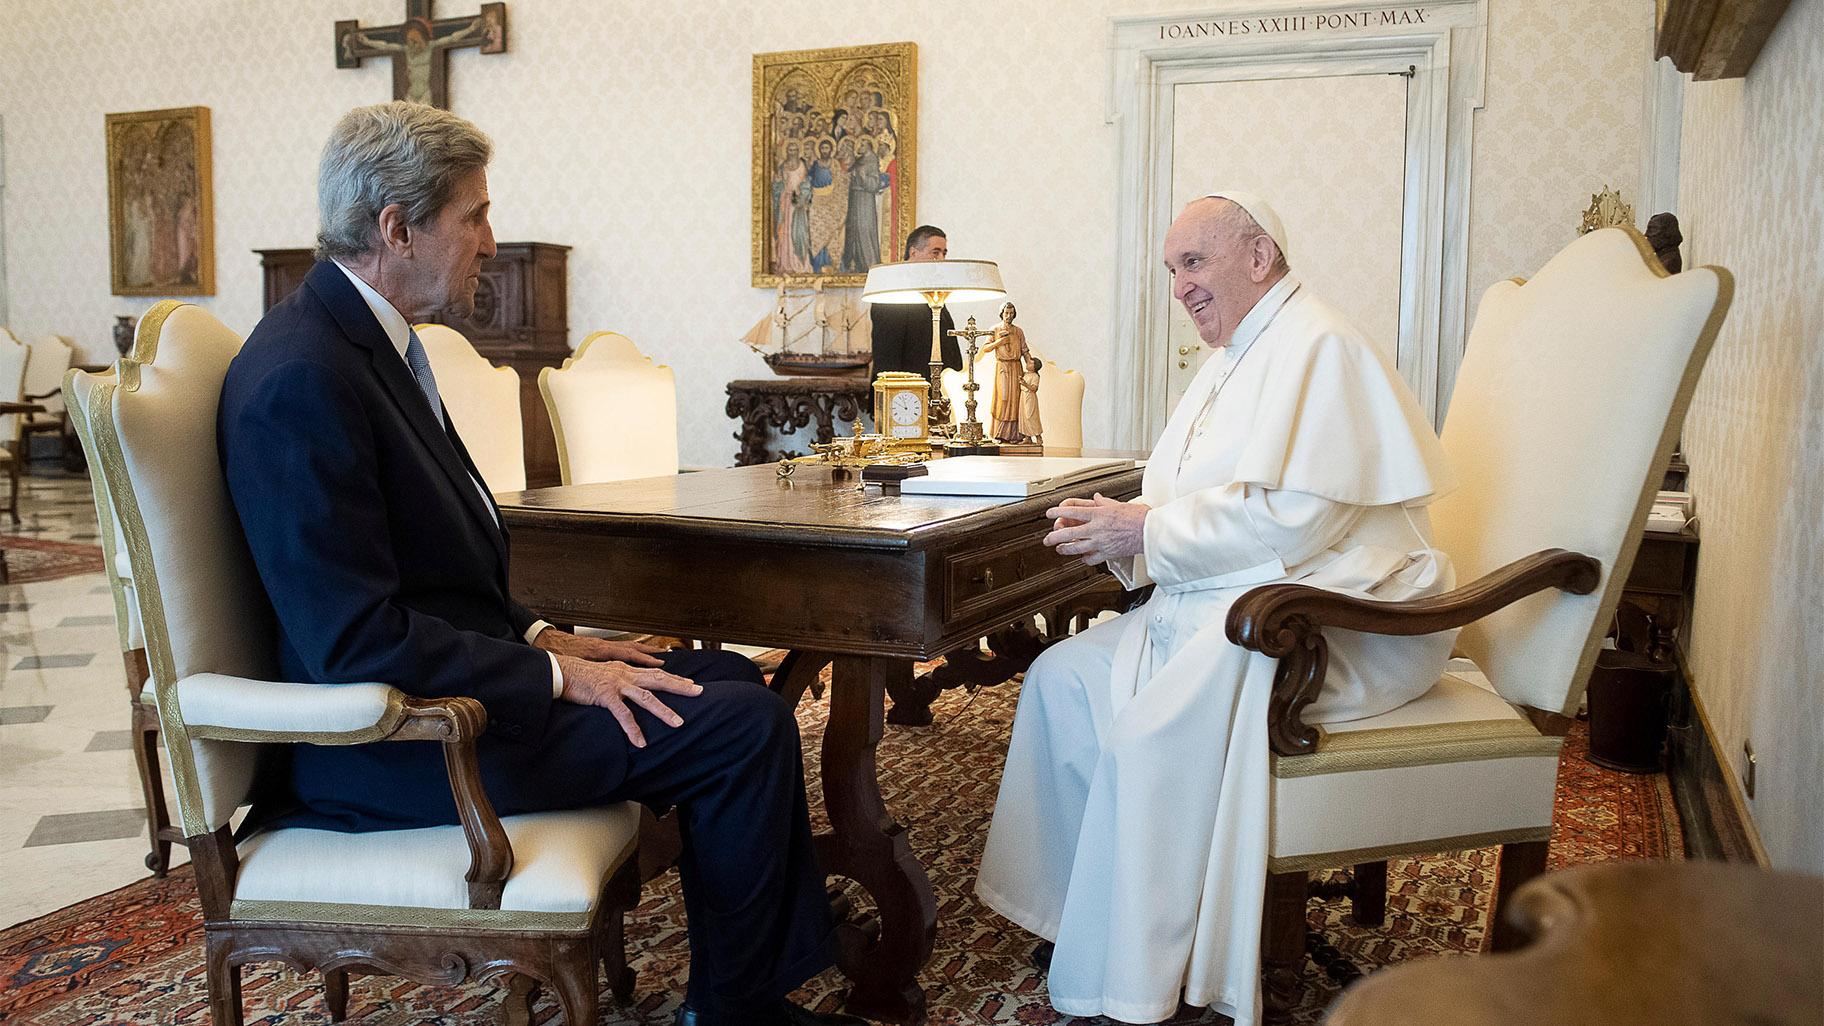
{"points": [[3, 293], [1442, 42]]}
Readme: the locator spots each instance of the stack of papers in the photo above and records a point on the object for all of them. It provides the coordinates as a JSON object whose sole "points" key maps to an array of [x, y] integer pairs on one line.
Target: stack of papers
{"points": [[1670, 511], [1016, 476]]}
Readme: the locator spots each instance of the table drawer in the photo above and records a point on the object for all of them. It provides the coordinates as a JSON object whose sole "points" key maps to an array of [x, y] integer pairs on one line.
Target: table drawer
{"points": [[1007, 569]]}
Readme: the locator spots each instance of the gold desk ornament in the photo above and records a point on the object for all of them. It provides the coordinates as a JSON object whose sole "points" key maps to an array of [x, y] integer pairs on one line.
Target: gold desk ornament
{"points": [[903, 408], [860, 450], [968, 439], [1606, 210]]}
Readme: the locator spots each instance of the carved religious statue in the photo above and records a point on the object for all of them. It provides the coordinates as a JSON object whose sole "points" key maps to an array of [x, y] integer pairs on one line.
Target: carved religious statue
{"points": [[1011, 354], [1030, 428]]}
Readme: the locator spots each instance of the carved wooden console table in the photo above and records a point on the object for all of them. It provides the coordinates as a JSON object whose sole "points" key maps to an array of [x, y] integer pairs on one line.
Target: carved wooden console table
{"points": [[765, 405]]}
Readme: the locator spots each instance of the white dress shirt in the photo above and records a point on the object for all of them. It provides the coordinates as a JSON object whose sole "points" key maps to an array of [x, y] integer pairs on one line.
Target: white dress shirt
{"points": [[399, 333]]}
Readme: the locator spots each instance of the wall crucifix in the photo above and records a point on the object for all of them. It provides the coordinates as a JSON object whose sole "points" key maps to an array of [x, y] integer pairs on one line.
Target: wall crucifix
{"points": [[420, 47]]}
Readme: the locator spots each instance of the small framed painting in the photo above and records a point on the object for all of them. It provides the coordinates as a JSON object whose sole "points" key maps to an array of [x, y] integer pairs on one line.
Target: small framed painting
{"points": [[835, 162], [161, 219]]}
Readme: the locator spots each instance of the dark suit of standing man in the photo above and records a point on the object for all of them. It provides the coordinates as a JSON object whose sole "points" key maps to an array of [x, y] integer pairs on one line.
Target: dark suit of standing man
{"points": [[385, 560], [902, 331]]}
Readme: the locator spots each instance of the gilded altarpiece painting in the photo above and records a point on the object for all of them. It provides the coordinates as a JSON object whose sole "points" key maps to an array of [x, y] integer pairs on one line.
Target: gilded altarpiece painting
{"points": [[161, 221], [835, 161]]}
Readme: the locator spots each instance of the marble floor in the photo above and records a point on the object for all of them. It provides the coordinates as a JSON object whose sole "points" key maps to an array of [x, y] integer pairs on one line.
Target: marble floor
{"points": [[72, 821]]}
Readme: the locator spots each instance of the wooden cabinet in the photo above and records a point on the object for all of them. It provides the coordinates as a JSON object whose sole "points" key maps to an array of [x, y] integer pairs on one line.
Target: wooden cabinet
{"points": [[521, 321]]}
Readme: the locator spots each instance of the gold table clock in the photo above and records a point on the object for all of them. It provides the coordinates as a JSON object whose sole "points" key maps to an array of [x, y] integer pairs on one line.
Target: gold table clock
{"points": [[902, 408]]}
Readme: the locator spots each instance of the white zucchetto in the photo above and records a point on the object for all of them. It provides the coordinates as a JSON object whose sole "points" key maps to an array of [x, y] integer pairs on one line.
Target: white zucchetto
{"points": [[1261, 211]]}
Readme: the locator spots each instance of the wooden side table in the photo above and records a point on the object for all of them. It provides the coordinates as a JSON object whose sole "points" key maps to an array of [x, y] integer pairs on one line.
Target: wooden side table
{"points": [[1660, 582], [765, 405]]}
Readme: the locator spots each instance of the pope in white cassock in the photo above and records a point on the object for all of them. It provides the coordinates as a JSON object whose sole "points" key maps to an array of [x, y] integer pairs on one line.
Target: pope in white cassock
{"points": [[1131, 826]]}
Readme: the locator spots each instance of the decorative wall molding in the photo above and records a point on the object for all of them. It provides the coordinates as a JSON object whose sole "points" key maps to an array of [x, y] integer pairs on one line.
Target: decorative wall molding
{"points": [[1662, 130], [1713, 39], [1442, 42]]}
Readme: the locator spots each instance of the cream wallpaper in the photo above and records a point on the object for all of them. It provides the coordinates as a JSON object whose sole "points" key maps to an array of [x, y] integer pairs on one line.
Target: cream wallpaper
{"points": [[1751, 200], [623, 131], [1561, 118]]}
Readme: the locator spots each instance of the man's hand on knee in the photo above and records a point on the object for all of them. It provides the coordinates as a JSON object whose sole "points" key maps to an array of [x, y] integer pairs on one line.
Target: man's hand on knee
{"points": [[618, 687], [600, 650]]}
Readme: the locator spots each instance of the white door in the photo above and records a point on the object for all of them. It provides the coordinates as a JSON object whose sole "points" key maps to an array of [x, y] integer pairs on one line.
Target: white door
{"points": [[1329, 154]]}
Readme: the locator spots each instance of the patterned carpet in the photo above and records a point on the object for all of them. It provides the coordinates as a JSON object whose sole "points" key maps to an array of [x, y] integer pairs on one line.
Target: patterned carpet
{"points": [[30, 559], [135, 956]]}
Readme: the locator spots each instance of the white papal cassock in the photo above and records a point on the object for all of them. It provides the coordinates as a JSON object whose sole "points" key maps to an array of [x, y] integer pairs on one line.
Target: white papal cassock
{"points": [[1132, 821]]}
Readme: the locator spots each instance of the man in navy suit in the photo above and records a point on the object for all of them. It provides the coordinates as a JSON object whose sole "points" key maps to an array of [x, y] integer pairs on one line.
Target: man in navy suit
{"points": [[385, 560]]}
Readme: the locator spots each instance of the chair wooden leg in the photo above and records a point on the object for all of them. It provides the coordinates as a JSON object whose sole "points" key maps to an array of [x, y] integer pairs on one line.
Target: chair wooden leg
{"points": [[1368, 902], [12, 472], [144, 720], [623, 894], [574, 979], [152, 787], [522, 994], [224, 985], [1282, 942], [1519, 863], [335, 993]]}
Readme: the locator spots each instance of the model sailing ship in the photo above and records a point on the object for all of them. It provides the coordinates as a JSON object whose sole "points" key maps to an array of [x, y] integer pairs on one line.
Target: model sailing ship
{"points": [[808, 331]]}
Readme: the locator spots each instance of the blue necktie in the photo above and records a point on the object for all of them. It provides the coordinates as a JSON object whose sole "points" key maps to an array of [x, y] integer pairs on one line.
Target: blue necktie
{"points": [[420, 365]]}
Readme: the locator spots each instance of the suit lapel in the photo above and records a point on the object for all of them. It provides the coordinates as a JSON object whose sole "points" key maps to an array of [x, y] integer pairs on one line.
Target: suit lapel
{"points": [[358, 323], [498, 525]]}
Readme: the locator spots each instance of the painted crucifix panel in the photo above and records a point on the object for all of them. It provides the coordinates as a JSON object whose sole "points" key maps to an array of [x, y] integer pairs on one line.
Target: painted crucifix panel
{"points": [[420, 47]]}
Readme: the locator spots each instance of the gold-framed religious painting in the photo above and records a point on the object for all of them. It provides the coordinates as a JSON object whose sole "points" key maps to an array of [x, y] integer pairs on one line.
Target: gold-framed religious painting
{"points": [[161, 216], [835, 162]]}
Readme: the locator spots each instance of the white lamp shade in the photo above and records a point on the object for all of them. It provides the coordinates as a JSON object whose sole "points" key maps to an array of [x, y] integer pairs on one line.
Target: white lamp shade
{"points": [[910, 281]]}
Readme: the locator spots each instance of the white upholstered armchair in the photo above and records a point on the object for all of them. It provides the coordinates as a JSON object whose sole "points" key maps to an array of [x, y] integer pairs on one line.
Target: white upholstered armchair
{"points": [[1570, 396], [614, 413], [79, 390], [51, 358], [537, 898], [483, 403]]}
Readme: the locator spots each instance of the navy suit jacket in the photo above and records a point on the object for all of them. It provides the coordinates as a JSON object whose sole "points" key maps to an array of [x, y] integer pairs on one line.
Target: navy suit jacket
{"points": [[382, 560], [902, 338]]}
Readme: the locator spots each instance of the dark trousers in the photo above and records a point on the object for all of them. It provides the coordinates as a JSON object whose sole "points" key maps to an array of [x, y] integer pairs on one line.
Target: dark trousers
{"points": [[754, 895]]}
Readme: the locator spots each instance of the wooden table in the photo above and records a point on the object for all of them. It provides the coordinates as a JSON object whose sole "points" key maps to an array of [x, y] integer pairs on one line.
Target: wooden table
{"points": [[1626, 944], [837, 573]]}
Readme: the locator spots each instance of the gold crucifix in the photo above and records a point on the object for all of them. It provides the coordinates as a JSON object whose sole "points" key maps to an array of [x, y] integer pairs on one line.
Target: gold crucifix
{"points": [[420, 47]]}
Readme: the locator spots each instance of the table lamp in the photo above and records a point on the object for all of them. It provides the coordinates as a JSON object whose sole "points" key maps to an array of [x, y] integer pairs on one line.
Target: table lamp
{"points": [[934, 283]]}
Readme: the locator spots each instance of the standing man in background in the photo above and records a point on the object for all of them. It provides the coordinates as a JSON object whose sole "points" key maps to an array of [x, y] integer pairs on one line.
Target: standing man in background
{"points": [[902, 332]]}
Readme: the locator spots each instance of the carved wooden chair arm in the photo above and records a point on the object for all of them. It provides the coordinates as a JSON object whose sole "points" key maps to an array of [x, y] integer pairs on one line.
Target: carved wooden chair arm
{"points": [[1286, 621], [457, 722]]}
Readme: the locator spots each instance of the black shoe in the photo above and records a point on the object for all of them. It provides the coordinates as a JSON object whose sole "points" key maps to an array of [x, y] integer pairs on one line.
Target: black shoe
{"points": [[1041, 955], [789, 1015]]}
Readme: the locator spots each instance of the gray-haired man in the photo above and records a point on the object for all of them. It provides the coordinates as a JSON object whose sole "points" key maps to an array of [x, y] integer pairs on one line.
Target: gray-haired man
{"points": [[385, 559]]}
